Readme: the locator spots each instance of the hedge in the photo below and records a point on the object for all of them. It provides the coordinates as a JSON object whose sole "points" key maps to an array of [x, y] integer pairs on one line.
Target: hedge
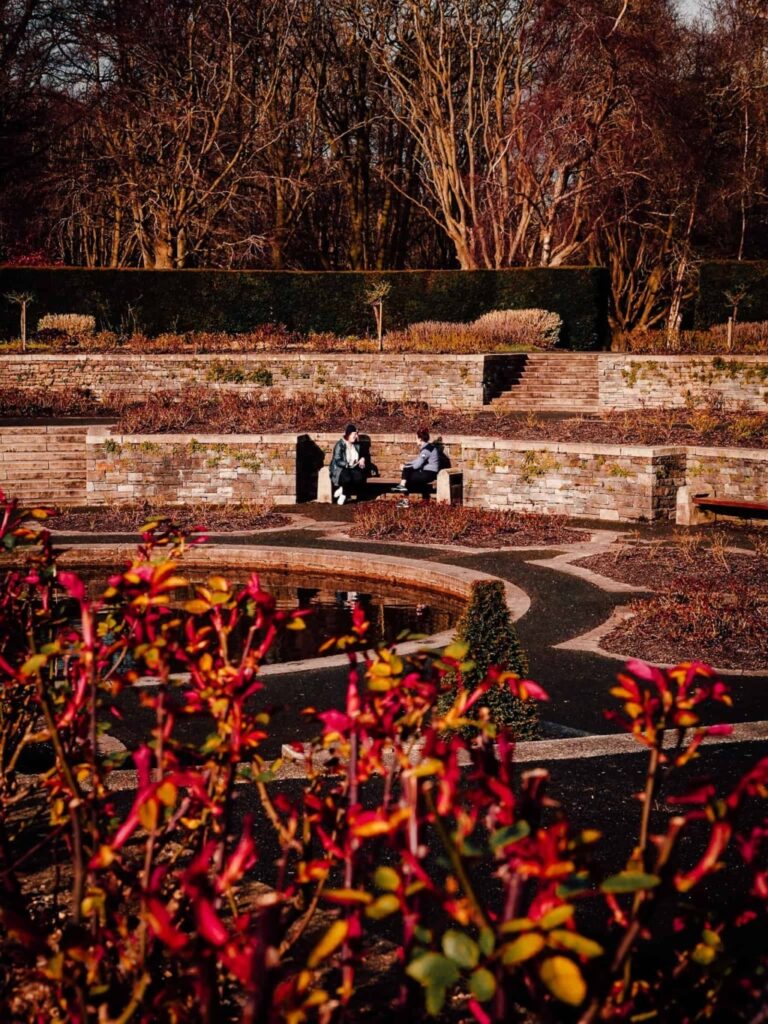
{"points": [[155, 301], [713, 306]]}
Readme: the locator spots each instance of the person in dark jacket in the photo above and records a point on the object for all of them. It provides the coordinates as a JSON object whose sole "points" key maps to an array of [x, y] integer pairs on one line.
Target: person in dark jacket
{"points": [[348, 467], [420, 473]]}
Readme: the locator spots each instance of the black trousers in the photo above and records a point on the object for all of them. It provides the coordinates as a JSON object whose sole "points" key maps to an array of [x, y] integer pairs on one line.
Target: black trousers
{"points": [[418, 481], [352, 480]]}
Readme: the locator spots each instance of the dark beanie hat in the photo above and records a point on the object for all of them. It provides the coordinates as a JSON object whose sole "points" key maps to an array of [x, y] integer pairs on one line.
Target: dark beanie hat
{"points": [[349, 429]]}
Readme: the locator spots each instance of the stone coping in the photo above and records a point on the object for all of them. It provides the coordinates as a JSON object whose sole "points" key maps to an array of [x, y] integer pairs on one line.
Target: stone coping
{"points": [[691, 357], [297, 357], [98, 433], [455, 581]]}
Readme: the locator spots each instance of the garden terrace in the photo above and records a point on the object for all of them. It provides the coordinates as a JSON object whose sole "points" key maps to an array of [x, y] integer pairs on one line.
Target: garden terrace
{"points": [[460, 382], [227, 411], [94, 465]]}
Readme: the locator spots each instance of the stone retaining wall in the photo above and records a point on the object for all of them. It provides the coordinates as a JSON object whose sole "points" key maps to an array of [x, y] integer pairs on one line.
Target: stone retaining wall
{"points": [[658, 382], [741, 474], [44, 465], [610, 482], [463, 382], [180, 468], [90, 465], [444, 381]]}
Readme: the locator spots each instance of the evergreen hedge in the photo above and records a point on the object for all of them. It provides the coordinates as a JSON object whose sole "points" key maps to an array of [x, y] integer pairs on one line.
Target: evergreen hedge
{"points": [[155, 301], [713, 306]]}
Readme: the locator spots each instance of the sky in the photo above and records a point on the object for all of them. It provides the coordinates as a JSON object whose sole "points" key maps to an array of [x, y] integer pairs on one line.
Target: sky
{"points": [[691, 8]]}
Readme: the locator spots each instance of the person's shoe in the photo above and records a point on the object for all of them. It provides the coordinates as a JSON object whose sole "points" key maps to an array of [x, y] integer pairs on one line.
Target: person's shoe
{"points": [[403, 503], [341, 498], [400, 489], [338, 492]]}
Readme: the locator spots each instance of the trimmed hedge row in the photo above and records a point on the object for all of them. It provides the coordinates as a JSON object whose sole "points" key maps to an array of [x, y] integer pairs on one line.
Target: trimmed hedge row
{"points": [[723, 278], [233, 301]]}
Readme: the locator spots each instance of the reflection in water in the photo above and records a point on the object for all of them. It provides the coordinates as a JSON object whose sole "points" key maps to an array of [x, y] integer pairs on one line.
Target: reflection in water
{"points": [[390, 608]]}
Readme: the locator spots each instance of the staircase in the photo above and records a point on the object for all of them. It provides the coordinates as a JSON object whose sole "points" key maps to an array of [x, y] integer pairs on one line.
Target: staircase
{"points": [[552, 382]]}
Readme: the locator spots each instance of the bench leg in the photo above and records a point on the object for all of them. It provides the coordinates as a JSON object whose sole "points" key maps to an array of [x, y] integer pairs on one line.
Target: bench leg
{"points": [[688, 514], [324, 490], [449, 488]]}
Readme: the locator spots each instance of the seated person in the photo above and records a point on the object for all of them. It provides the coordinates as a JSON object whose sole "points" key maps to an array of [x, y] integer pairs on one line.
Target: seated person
{"points": [[348, 467], [421, 472]]}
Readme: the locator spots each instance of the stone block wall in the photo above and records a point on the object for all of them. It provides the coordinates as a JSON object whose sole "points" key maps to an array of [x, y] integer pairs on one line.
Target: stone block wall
{"points": [[179, 468], [630, 381], [43, 464], [738, 473], [90, 465], [611, 482], [444, 381]]}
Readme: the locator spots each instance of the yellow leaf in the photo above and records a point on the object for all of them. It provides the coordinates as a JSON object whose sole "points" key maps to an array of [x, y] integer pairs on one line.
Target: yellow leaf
{"points": [[104, 857], [564, 980], [166, 793], [348, 896], [557, 916], [33, 665], [331, 941], [521, 949], [148, 814], [429, 766], [218, 583], [196, 607], [296, 624]]}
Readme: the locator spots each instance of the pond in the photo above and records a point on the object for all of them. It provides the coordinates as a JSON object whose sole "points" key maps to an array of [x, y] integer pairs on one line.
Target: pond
{"points": [[391, 609]]}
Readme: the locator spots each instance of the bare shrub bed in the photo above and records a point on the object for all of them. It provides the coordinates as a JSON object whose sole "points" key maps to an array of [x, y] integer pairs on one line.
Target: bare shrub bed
{"points": [[712, 605], [427, 522], [271, 410], [130, 518], [747, 338]]}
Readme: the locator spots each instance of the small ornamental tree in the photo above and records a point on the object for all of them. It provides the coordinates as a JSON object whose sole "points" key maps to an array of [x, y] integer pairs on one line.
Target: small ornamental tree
{"points": [[487, 630]]}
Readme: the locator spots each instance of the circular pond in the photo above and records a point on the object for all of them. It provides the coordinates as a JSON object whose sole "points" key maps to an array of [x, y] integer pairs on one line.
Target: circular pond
{"points": [[399, 595]]}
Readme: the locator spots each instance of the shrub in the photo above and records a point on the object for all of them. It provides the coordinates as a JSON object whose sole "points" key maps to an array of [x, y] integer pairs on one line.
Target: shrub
{"points": [[536, 327], [491, 639], [70, 324], [748, 338], [162, 901]]}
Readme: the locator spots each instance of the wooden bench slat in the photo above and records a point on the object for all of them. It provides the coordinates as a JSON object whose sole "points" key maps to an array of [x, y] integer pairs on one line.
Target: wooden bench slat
{"points": [[752, 506]]}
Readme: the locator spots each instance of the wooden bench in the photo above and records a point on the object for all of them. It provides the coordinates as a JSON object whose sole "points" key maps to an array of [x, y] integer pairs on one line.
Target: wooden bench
{"points": [[702, 506], [448, 488]]}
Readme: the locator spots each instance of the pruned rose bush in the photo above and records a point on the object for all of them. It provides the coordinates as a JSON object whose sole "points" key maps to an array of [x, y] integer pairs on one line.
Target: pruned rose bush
{"points": [[186, 880], [538, 327]]}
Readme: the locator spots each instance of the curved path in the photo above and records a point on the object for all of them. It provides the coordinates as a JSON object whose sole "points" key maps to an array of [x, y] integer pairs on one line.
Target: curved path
{"points": [[563, 606]]}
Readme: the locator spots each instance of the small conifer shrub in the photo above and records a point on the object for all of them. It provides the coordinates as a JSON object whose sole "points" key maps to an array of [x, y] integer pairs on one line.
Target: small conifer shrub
{"points": [[486, 628]]}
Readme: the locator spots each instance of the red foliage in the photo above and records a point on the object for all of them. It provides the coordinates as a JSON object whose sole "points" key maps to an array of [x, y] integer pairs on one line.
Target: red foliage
{"points": [[399, 816]]}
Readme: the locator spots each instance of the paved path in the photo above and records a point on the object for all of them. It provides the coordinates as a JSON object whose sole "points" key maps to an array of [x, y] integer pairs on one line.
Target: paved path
{"points": [[563, 606]]}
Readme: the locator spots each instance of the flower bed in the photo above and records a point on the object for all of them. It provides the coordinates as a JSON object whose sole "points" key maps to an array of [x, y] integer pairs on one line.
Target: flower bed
{"points": [[131, 517], [713, 605], [427, 522], [211, 411]]}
